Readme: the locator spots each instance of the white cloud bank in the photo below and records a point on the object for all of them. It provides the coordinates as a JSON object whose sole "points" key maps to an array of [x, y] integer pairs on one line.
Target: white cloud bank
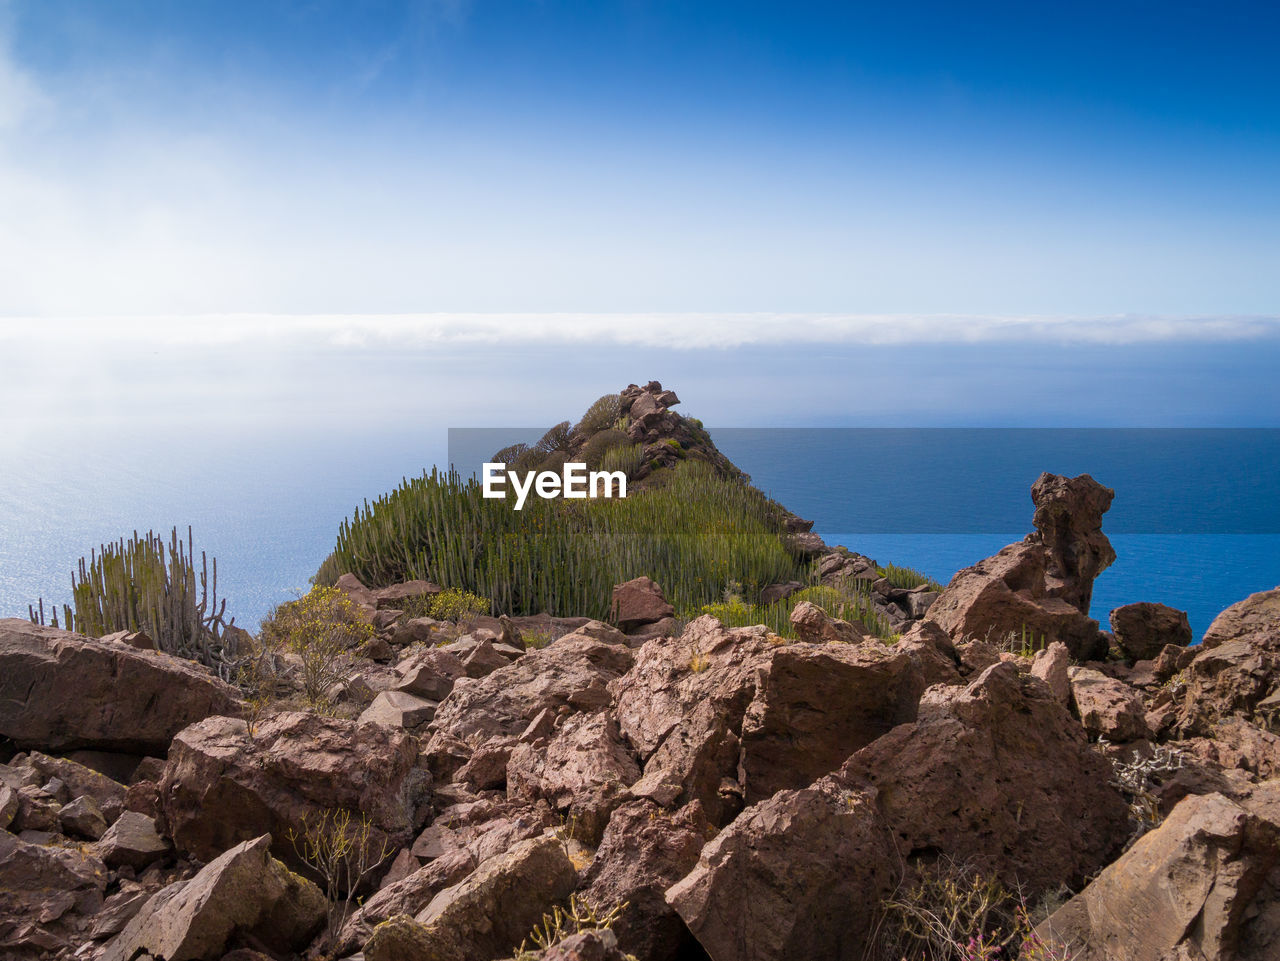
{"points": [[681, 331]]}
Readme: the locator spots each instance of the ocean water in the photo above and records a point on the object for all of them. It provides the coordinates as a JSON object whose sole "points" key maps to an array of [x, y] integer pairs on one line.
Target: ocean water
{"points": [[1196, 521]]}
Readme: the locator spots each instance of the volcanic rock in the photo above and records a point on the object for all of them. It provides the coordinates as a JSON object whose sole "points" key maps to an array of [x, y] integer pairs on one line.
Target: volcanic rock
{"points": [[243, 892], [999, 776], [124, 699], [799, 876], [221, 787], [1143, 630]]}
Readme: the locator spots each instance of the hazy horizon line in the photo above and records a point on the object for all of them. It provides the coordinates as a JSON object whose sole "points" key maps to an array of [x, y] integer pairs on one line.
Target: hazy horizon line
{"points": [[686, 330]]}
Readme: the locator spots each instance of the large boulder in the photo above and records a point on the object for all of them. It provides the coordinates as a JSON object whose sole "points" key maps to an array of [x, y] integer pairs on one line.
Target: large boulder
{"points": [[244, 896], [999, 776], [1188, 889], [812, 623], [46, 895], [61, 691], [815, 704], [1108, 708], [485, 916], [643, 852], [221, 786], [581, 772], [1039, 590], [1143, 630], [1256, 617], [573, 673], [794, 878], [639, 602]]}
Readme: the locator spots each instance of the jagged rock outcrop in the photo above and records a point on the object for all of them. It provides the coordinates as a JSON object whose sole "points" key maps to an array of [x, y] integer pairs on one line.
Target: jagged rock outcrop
{"points": [[681, 708], [639, 603], [1038, 590], [242, 894], [999, 776], [222, 787], [1108, 708], [582, 771], [1257, 617], [124, 699], [815, 704]]}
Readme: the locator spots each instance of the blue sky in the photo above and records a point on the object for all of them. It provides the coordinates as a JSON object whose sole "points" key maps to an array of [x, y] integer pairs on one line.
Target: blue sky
{"points": [[1083, 159]]}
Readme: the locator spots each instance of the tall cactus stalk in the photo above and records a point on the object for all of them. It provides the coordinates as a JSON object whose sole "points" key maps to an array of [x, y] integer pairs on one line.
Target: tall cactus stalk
{"points": [[136, 585]]}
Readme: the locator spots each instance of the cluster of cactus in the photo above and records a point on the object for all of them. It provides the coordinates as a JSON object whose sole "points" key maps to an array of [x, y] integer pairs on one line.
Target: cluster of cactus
{"points": [[136, 585], [692, 535]]}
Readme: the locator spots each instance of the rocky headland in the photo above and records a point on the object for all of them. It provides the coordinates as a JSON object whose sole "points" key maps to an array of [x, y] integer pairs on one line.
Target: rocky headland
{"points": [[402, 771]]}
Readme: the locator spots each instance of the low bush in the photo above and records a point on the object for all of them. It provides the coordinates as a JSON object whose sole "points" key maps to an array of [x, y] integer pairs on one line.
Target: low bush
{"points": [[320, 628], [850, 602]]}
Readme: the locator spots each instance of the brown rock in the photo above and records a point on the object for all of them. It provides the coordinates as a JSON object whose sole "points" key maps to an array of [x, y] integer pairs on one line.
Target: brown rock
{"points": [[9, 804], [196, 920], [593, 945], [639, 602], [408, 896], [779, 592], [643, 852], [1068, 522], [1040, 588], [125, 699], [1257, 617], [429, 673], [486, 915], [1108, 708], [815, 705], [1185, 890], [395, 595], [350, 585], [582, 773], [1232, 678], [813, 624], [81, 780], [46, 895], [221, 788], [83, 818], [132, 841], [1143, 630], [573, 672], [799, 876], [681, 708], [1051, 664], [487, 768], [396, 709], [483, 659], [999, 776]]}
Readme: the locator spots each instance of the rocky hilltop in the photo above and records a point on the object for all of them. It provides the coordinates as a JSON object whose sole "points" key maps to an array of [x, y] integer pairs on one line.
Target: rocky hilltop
{"points": [[996, 777]]}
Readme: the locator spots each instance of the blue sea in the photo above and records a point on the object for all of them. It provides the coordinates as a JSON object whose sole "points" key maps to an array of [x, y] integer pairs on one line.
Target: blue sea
{"points": [[1195, 523]]}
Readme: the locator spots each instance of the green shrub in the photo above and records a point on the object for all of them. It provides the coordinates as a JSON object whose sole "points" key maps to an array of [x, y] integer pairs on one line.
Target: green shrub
{"points": [[600, 444], [320, 628], [456, 605], [907, 578], [557, 439], [601, 415], [851, 603]]}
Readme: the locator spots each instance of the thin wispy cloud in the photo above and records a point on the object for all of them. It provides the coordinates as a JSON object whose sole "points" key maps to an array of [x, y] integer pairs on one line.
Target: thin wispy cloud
{"points": [[679, 331]]}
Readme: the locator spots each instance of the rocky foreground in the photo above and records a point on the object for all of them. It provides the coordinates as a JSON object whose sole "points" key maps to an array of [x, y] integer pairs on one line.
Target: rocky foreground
{"points": [[678, 791]]}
